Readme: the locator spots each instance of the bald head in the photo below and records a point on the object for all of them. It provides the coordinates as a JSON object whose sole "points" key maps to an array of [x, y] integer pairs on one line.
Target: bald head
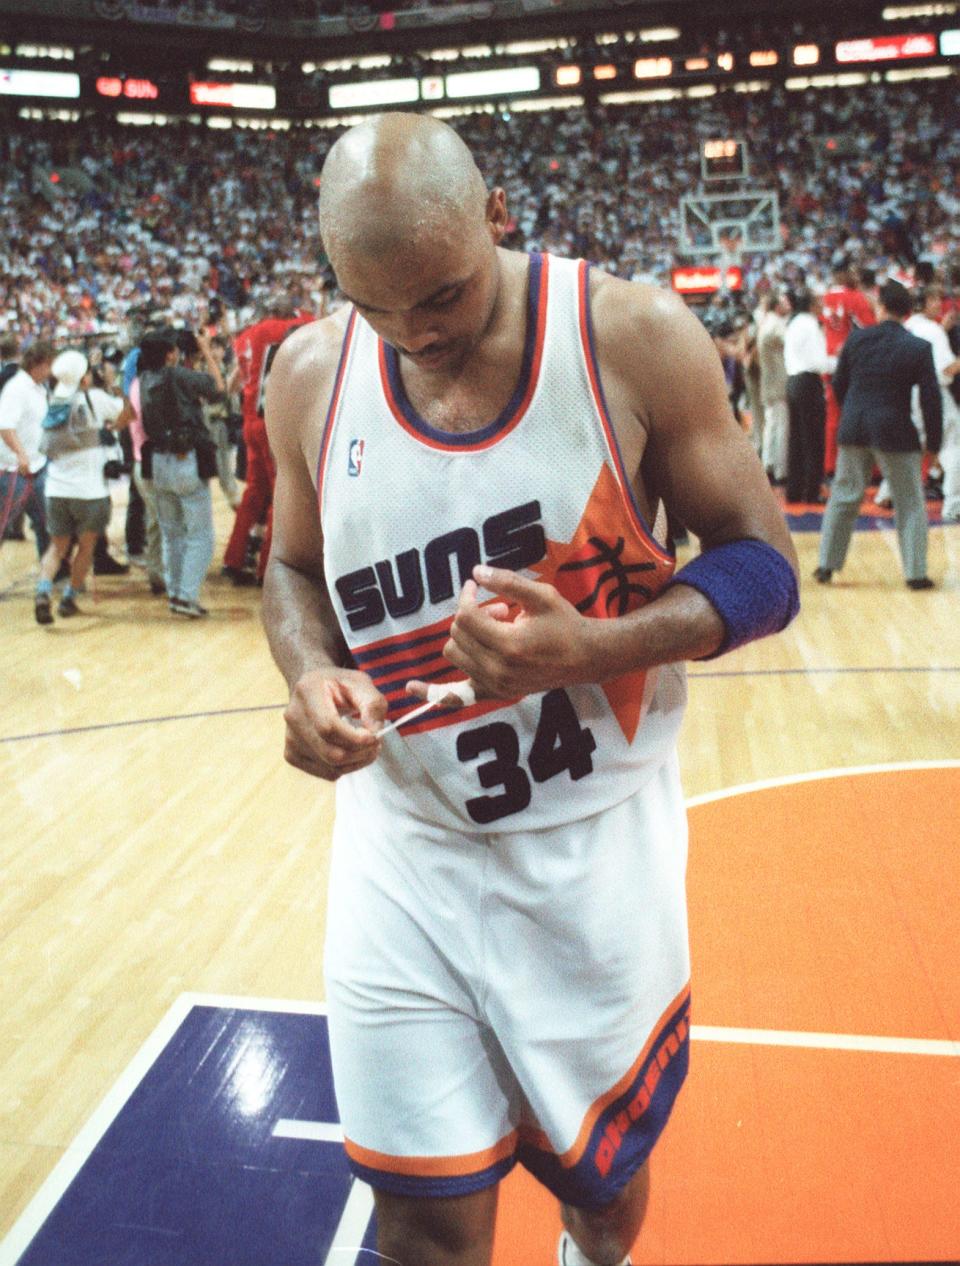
{"points": [[398, 178]]}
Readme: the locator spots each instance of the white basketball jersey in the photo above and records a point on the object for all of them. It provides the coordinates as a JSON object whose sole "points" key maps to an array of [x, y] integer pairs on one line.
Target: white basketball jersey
{"points": [[408, 511]]}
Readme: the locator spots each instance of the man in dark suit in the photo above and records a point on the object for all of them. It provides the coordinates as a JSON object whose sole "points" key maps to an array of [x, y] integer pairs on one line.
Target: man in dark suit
{"points": [[877, 370]]}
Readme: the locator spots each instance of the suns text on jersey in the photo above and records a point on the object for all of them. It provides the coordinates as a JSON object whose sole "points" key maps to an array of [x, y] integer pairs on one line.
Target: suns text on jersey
{"points": [[400, 586]]}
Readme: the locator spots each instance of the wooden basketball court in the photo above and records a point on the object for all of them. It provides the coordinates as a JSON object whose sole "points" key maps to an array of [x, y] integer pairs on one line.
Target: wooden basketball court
{"points": [[155, 844]]}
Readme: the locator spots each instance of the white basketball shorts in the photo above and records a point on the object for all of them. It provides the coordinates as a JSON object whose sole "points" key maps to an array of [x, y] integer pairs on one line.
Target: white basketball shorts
{"points": [[517, 996]]}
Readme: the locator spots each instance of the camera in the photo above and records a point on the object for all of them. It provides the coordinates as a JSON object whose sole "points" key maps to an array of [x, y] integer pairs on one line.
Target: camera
{"points": [[114, 468]]}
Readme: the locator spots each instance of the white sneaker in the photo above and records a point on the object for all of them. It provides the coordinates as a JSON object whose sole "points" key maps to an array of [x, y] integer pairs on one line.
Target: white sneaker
{"points": [[568, 1254]]}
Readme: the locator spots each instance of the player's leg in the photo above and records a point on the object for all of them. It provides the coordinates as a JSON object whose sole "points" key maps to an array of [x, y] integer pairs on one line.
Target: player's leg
{"points": [[35, 508], [603, 1236], [586, 943], [846, 495], [816, 409], [91, 522], [82, 559], [950, 461], [903, 472], [795, 438], [56, 550], [429, 1108], [85, 514], [831, 426], [776, 424], [439, 1231], [255, 500]]}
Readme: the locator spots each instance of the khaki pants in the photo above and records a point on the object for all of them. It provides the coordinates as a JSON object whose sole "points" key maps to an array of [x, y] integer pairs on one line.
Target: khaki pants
{"points": [[903, 472]]}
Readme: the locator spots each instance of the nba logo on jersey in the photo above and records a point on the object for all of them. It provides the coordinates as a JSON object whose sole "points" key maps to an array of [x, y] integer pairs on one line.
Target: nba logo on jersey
{"points": [[355, 459]]}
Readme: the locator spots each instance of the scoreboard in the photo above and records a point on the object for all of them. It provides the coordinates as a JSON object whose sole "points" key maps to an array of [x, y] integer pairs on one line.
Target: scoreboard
{"points": [[724, 159]]}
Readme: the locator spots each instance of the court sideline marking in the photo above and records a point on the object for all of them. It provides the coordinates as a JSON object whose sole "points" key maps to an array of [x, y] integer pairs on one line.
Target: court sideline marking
{"points": [[359, 1203], [212, 714]]}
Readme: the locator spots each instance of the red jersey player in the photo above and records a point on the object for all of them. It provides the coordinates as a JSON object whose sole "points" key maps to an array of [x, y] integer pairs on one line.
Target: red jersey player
{"points": [[844, 308], [256, 347]]}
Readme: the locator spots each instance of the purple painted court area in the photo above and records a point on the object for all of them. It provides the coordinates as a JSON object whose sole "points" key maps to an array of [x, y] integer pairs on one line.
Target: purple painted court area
{"points": [[868, 520], [189, 1172]]}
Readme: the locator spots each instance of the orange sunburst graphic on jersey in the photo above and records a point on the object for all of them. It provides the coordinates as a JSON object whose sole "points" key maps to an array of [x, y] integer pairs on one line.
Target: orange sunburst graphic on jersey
{"points": [[608, 569]]}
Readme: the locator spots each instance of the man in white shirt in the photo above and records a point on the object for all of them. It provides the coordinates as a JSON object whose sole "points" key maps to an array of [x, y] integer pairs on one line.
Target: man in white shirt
{"points": [[925, 323], [23, 405], [771, 332], [806, 360], [78, 499]]}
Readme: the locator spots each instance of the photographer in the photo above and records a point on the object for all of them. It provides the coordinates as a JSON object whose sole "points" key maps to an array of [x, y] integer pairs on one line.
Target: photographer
{"points": [[77, 497], [179, 458]]}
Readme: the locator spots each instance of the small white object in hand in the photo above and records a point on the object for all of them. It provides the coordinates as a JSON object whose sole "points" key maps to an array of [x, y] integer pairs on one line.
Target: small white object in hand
{"points": [[436, 694], [462, 689]]}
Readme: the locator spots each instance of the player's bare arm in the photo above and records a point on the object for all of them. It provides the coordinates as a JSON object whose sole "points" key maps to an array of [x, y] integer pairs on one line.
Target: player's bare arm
{"points": [[667, 396], [304, 637]]}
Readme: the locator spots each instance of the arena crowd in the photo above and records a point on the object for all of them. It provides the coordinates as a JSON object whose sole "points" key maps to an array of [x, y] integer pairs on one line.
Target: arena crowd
{"points": [[175, 218], [107, 231]]}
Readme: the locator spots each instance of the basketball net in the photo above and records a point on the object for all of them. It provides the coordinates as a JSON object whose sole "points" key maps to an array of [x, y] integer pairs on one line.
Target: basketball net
{"points": [[729, 258]]}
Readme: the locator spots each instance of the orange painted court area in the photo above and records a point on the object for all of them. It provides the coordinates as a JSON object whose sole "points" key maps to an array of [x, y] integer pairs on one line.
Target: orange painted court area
{"points": [[824, 907]]}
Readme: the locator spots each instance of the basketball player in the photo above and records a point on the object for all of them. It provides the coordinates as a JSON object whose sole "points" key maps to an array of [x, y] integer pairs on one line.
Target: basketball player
{"points": [[255, 348], [468, 461], [844, 308]]}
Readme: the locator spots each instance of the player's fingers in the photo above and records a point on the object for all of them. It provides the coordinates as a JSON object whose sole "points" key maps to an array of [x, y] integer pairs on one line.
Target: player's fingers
{"points": [[475, 642], [532, 595], [468, 594], [372, 711], [358, 698], [483, 666], [319, 721], [499, 611], [326, 761], [422, 690]]}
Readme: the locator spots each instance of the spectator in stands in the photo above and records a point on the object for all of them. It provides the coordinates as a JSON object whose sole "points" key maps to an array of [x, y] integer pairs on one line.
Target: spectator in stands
{"points": [[181, 461], [23, 468], [160, 236]]}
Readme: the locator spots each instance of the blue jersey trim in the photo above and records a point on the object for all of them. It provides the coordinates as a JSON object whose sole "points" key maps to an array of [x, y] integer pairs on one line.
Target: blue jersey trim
{"points": [[628, 1128], [379, 652], [471, 439], [413, 1185]]}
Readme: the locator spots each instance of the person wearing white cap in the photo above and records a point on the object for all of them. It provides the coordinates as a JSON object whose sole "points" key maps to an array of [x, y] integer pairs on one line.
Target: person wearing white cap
{"points": [[78, 500]]}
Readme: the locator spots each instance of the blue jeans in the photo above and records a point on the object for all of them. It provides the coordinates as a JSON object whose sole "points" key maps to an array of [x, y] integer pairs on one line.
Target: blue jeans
{"points": [[185, 512], [18, 493]]}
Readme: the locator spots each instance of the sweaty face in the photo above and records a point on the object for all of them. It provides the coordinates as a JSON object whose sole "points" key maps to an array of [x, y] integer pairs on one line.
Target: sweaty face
{"points": [[431, 300]]}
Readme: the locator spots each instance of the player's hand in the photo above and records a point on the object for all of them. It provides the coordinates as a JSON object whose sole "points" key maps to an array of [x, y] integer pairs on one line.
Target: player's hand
{"points": [[530, 641], [332, 721]]}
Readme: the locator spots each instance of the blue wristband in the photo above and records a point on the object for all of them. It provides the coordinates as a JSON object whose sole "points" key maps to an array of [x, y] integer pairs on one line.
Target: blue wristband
{"points": [[751, 586]]}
